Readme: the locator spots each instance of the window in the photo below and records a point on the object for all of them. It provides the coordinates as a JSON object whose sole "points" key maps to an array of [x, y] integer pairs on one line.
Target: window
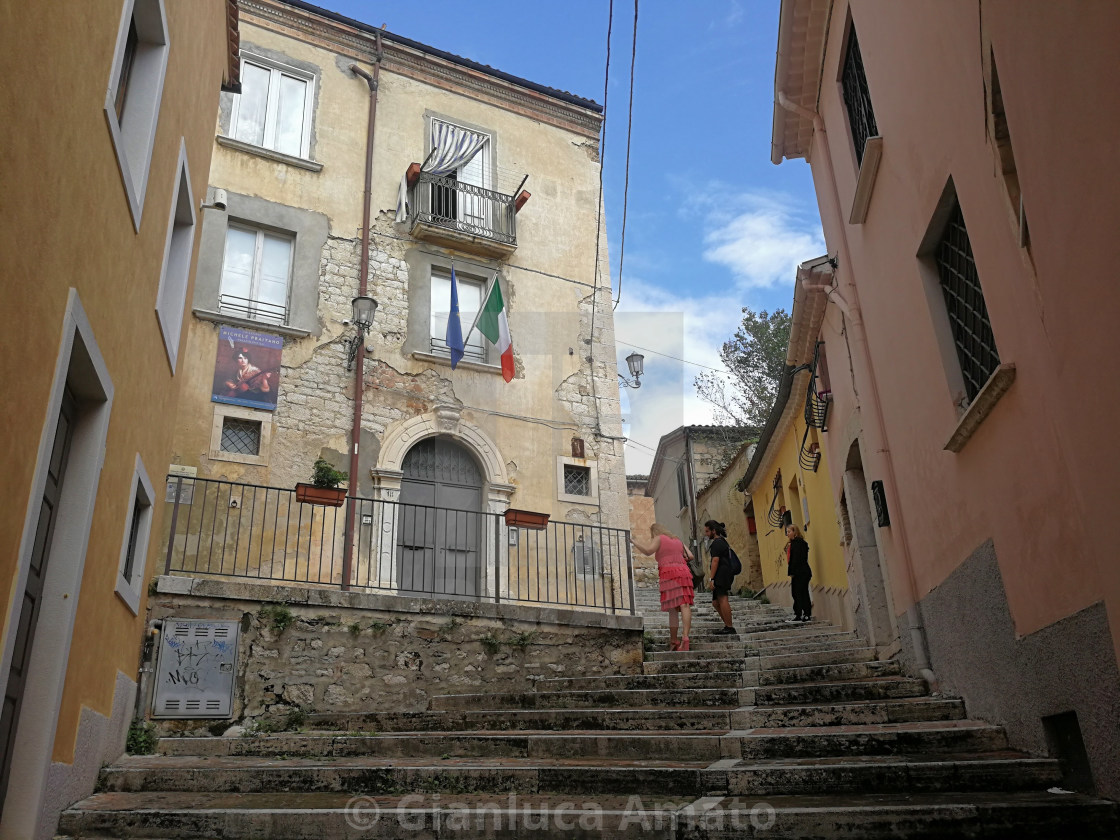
{"points": [[274, 108], [587, 557], [172, 294], [964, 302], [138, 525], [1001, 138], [134, 92], [470, 299], [682, 485], [857, 98], [255, 272], [241, 437], [577, 480]]}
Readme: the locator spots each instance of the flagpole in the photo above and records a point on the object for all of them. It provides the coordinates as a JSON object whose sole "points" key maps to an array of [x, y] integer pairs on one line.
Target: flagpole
{"points": [[477, 315]]}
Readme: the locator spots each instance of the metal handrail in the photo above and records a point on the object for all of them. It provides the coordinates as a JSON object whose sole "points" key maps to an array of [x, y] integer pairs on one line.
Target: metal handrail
{"points": [[466, 208], [255, 310], [233, 530]]}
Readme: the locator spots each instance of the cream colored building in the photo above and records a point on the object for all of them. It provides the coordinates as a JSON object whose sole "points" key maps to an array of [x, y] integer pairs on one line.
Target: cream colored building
{"points": [[284, 261]]}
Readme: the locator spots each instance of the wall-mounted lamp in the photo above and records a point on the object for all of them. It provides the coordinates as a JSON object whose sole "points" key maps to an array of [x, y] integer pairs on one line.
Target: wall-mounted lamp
{"points": [[362, 309], [636, 362], [221, 200]]}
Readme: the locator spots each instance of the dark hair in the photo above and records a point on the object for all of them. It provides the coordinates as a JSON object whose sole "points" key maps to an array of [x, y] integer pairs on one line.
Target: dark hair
{"points": [[718, 527], [245, 352]]}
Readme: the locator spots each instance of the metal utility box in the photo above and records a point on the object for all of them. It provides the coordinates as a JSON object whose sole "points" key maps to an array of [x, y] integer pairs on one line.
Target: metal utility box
{"points": [[196, 669]]}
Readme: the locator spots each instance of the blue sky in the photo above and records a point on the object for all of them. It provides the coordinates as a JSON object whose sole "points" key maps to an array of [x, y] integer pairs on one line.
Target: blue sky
{"points": [[712, 225]]}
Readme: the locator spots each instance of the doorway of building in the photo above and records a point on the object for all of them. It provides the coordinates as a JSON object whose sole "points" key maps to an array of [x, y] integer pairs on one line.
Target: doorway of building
{"points": [[439, 535], [32, 599], [862, 549]]}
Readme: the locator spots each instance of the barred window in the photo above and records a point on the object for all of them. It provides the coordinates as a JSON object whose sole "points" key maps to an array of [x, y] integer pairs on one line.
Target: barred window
{"points": [[964, 302], [577, 480], [242, 437], [857, 98]]}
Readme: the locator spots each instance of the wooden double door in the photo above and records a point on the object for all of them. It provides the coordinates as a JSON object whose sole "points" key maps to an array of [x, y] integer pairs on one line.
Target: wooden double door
{"points": [[441, 525]]}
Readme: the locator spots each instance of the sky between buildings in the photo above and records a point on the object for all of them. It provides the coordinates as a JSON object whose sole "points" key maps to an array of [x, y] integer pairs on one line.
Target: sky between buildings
{"points": [[712, 225]]}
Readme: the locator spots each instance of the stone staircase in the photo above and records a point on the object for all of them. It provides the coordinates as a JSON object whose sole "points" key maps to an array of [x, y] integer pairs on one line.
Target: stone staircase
{"points": [[786, 731]]}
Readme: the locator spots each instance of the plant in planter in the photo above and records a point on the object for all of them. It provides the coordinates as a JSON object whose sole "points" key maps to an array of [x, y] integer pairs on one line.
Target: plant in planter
{"points": [[323, 489]]}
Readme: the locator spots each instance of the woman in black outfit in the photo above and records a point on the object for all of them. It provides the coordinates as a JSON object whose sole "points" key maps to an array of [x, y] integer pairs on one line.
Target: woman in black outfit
{"points": [[797, 556]]}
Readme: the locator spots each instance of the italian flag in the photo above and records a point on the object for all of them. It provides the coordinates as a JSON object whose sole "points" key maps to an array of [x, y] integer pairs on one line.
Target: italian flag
{"points": [[493, 324]]}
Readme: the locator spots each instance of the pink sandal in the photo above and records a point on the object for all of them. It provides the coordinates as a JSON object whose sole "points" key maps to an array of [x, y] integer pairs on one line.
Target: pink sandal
{"points": [[674, 644], [684, 644]]}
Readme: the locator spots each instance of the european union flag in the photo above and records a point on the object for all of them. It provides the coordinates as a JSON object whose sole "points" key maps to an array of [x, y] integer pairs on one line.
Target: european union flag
{"points": [[454, 335]]}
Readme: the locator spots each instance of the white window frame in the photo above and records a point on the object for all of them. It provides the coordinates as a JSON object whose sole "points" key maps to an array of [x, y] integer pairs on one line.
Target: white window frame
{"points": [[221, 412], [438, 271], [255, 273], [175, 275], [276, 69], [134, 136], [593, 480], [129, 589]]}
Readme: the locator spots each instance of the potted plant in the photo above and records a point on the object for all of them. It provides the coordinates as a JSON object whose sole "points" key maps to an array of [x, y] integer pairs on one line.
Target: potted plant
{"points": [[323, 489], [526, 519]]}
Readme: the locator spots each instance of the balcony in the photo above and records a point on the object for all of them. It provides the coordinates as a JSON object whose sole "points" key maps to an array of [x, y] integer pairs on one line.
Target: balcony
{"points": [[459, 215], [236, 531]]}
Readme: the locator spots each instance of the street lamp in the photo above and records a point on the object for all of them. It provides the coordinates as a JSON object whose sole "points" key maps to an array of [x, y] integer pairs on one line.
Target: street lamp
{"points": [[362, 309], [635, 362]]}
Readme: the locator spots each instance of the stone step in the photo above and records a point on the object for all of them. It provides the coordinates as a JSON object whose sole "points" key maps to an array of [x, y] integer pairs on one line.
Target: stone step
{"points": [[877, 688], [702, 651], [797, 633], [641, 682], [380, 777], [856, 775], [684, 664], [779, 647], [512, 720], [650, 745], [314, 816], [871, 739], [821, 657], [685, 697], [847, 714], [829, 673]]}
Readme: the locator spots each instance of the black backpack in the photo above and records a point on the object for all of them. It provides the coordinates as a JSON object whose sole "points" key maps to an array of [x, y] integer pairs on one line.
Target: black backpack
{"points": [[736, 566]]}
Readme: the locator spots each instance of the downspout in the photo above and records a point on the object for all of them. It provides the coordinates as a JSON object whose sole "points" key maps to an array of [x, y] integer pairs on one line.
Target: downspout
{"points": [[691, 491], [877, 432], [363, 282]]}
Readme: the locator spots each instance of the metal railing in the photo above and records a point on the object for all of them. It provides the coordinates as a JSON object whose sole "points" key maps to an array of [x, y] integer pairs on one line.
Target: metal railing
{"points": [[254, 310], [230, 530], [462, 207]]}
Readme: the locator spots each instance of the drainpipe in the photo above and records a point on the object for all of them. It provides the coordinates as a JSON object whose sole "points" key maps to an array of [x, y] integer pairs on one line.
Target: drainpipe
{"points": [[363, 280], [848, 301], [691, 493]]}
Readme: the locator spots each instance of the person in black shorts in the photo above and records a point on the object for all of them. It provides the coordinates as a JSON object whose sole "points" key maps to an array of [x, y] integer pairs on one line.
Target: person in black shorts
{"points": [[722, 576]]}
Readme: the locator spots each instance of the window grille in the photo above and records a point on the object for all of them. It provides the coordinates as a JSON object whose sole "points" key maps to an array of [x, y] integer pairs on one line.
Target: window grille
{"points": [[577, 480], [242, 437], [964, 302], [857, 98]]}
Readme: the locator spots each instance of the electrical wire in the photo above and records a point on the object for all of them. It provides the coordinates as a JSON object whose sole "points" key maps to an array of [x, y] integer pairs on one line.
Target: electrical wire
{"points": [[675, 358], [629, 131]]}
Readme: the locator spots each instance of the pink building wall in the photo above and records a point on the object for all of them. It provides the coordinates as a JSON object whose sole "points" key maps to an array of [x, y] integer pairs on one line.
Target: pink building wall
{"points": [[1018, 523]]}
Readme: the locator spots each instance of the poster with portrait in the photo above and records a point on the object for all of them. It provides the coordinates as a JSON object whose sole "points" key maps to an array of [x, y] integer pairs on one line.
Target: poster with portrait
{"points": [[247, 368]]}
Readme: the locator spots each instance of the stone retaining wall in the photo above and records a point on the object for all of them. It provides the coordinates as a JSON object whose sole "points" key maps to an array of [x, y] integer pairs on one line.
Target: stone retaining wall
{"points": [[352, 652]]}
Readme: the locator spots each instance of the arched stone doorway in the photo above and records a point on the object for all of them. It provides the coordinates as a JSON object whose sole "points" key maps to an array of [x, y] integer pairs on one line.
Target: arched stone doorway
{"points": [[439, 535]]}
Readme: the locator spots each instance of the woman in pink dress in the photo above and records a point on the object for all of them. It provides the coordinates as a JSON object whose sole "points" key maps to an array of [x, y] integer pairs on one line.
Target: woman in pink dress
{"points": [[676, 579]]}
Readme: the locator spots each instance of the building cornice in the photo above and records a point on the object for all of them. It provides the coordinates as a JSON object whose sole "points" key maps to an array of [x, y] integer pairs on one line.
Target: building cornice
{"points": [[802, 37], [414, 63]]}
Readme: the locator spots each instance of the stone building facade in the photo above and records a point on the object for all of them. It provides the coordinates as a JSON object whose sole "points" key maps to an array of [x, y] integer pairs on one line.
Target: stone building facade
{"points": [[292, 183]]}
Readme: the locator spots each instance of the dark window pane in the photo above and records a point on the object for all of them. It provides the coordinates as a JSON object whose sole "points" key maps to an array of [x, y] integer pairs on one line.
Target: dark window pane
{"points": [[857, 97], [127, 62], [242, 437], [577, 480]]}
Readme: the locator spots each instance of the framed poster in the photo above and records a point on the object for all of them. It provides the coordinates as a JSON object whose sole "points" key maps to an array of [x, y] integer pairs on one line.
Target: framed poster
{"points": [[247, 368]]}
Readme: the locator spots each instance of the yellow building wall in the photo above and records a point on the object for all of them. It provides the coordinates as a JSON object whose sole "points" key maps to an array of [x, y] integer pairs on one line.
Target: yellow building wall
{"points": [[829, 586], [723, 501], [67, 224]]}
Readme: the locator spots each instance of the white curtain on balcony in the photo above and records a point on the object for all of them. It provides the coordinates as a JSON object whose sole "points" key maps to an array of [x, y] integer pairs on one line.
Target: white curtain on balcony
{"points": [[454, 146]]}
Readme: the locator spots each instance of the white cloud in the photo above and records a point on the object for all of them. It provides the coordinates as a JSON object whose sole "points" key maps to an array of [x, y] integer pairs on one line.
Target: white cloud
{"points": [[760, 237]]}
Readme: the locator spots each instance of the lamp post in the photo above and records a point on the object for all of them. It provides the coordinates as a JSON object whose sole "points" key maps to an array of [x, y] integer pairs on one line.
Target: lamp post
{"points": [[362, 309], [636, 363]]}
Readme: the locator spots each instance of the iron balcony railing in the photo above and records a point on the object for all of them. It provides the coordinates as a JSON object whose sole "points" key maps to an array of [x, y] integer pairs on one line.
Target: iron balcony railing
{"points": [[239, 531], [465, 208], [253, 310]]}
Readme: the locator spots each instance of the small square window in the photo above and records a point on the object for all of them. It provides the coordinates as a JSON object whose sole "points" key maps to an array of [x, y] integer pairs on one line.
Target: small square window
{"points": [[241, 437], [273, 110], [577, 480]]}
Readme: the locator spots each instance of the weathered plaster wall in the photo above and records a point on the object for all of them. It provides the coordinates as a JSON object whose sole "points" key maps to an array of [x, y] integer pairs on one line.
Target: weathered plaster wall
{"points": [[723, 501], [349, 652]]}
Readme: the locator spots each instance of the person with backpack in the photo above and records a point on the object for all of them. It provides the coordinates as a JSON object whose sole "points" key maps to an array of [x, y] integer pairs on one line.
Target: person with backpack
{"points": [[725, 565], [797, 560]]}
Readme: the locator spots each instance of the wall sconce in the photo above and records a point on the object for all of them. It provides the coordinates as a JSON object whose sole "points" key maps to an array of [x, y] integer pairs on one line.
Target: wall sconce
{"points": [[362, 309], [636, 362]]}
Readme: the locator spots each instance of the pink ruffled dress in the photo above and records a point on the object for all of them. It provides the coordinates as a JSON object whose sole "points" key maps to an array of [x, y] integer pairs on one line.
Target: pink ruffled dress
{"points": [[674, 574]]}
